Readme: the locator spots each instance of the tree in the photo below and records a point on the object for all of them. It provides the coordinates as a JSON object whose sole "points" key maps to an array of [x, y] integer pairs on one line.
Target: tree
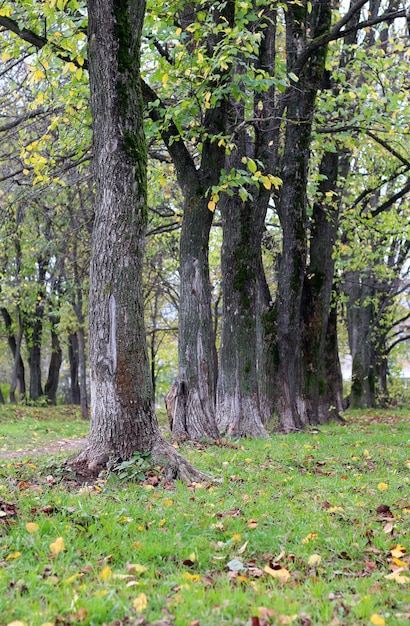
{"points": [[122, 404]]}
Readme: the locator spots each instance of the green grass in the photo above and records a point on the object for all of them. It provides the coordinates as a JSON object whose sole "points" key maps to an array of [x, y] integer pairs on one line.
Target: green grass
{"points": [[305, 505], [26, 428]]}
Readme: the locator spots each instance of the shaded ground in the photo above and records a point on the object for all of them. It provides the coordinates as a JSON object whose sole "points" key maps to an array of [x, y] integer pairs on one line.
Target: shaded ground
{"points": [[60, 445]]}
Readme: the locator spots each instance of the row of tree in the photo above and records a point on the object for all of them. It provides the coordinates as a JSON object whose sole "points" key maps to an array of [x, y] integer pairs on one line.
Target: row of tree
{"points": [[286, 126]]}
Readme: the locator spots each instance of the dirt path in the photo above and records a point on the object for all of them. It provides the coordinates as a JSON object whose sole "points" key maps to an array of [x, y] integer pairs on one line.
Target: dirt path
{"points": [[60, 445]]}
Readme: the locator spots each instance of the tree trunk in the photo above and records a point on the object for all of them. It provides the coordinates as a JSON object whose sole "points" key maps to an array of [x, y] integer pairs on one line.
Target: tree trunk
{"points": [[194, 411], [34, 331], [51, 386], [122, 404], [300, 107], [238, 408], [360, 314], [18, 377], [73, 358], [317, 293]]}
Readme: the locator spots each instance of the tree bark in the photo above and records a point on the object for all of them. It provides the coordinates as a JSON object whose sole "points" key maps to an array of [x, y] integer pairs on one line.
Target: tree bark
{"points": [[18, 382], [51, 386], [122, 404], [73, 358], [300, 107]]}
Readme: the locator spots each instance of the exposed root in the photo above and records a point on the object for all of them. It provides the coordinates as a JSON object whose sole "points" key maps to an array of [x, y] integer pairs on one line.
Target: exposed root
{"points": [[163, 453], [175, 464]]}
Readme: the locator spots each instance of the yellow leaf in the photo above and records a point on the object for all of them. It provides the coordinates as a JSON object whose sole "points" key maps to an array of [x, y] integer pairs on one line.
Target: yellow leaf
{"points": [[281, 574], [57, 546], [14, 555], [140, 603], [135, 568], [48, 624], [398, 551], [309, 537], [188, 576], [106, 573], [266, 182], [72, 578], [17, 622], [314, 559], [168, 502], [212, 205], [32, 527], [101, 593], [398, 578], [382, 486], [192, 557], [400, 563], [236, 536], [376, 620]]}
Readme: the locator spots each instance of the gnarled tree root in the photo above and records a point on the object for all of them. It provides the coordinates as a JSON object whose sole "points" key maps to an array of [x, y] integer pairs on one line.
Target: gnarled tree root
{"points": [[162, 452]]}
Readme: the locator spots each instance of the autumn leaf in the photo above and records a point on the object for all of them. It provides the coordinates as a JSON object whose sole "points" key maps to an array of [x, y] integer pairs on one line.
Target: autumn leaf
{"points": [[309, 537], [400, 563], [252, 524], [376, 620], [282, 574], [16, 623], [13, 555], [106, 573], [397, 577], [32, 527], [194, 577], [136, 568], [382, 486], [398, 551], [57, 546], [314, 560], [140, 603]]}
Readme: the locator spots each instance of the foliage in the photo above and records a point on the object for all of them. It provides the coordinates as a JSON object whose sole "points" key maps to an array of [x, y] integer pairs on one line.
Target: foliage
{"points": [[306, 529]]}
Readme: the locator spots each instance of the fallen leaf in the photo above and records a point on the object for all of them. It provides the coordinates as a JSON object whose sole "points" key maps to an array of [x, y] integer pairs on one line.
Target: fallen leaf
{"points": [[136, 568], [106, 573], [314, 560], [32, 527], [400, 563], [388, 528], [282, 574], [396, 576], [13, 555], [309, 537], [140, 603], [16, 623], [252, 524], [57, 546], [376, 620], [235, 565], [194, 577], [242, 549], [382, 486], [398, 551]]}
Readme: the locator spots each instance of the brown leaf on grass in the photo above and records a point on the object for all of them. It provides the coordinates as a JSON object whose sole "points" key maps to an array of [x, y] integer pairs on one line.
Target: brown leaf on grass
{"points": [[7, 509], [388, 528], [384, 510]]}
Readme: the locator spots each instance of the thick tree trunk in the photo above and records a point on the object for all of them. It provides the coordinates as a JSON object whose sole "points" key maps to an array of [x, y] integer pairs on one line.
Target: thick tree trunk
{"points": [[73, 358], [300, 107], [317, 295], [34, 332], [122, 404], [238, 408], [194, 411], [18, 376], [51, 386], [334, 380]]}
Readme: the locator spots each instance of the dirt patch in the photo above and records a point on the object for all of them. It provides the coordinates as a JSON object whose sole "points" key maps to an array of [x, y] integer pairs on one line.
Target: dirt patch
{"points": [[60, 445]]}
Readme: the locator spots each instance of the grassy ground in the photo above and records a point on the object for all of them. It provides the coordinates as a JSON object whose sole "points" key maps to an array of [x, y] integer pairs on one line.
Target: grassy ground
{"points": [[306, 529], [26, 428]]}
